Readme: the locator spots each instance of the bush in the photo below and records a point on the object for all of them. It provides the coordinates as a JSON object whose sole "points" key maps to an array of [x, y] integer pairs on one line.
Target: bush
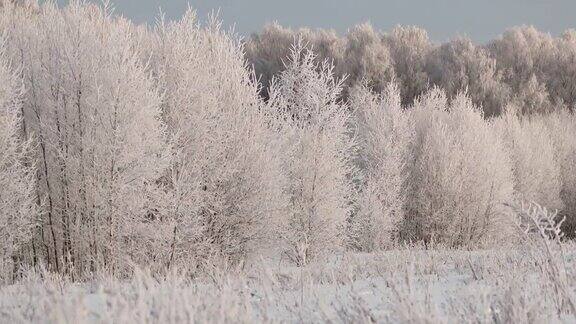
{"points": [[461, 176], [531, 148], [385, 136], [562, 128]]}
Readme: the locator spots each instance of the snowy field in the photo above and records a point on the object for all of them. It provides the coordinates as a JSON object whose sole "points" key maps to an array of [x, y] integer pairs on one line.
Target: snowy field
{"points": [[404, 286], [180, 173]]}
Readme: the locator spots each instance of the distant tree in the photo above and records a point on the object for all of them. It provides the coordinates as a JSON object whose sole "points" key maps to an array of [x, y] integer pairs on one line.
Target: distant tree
{"points": [[409, 47], [317, 155], [458, 66], [524, 56], [521, 52], [533, 98], [562, 81], [385, 136], [267, 51], [461, 176], [366, 58], [562, 128]]}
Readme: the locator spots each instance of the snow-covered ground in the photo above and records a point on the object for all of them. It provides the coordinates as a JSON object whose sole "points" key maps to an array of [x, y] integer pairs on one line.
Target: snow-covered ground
{"points": [[411, 285]]}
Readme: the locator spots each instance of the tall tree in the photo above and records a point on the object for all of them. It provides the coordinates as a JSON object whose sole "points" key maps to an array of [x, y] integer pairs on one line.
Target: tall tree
{"points": [[317, 156], [95, 113], [385, 138], [366, 58], [562, 128], [224, 187], [268, 49], [18, 209]]}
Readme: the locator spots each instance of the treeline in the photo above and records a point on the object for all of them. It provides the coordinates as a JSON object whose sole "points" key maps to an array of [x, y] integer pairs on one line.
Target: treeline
{"points": [[126, 146], [525, 66]]}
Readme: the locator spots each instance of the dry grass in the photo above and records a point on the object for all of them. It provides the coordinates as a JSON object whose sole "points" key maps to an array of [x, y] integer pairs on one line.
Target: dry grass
{"points": [[409, 285], [533, 283]]}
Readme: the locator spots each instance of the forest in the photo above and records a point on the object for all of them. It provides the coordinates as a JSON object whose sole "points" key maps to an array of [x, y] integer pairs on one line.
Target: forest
{"points": [[146, 156]]}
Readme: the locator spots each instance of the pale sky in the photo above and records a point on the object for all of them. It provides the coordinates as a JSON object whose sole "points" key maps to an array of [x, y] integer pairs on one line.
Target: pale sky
{"points": [[443, 19]]}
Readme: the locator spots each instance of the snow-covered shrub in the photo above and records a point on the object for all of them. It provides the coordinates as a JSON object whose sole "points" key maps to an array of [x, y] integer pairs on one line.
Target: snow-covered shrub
{"points": [[461, 176], [18, 205], [317, 155], [530, 146], [224, 189], [385, 135]]}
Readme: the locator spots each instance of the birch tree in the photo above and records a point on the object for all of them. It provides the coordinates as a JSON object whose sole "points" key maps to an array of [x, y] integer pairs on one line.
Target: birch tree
{"points": [[562, 128], [459, 65], [95, 114], [317, 155], [461, 176], [18, 209], [225, 186], [385, 137], [409, 47], [366, 58], [531, 148]]}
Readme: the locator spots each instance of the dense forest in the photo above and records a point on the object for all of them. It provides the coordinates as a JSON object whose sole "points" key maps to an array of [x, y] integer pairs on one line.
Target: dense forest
{"points": [[180, 145], [525, 67]]}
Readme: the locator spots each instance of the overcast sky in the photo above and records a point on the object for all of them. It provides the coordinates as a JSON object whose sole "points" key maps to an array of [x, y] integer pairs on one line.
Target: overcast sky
{"points": [[479, 19]]}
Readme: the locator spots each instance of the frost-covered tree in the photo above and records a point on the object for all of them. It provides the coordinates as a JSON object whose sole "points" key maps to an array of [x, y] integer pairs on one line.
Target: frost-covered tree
{"points": [[100, 143], [562, 128], [524, 56], [18, 209], [366, 58], [317, 153], [461, 176], [530, 146], [224, 190], [267, 50], [409, 46], [385, 135], [533, 98], [5, 3], [523, 64], [521, 52], [459, 65], [562, 82]]}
